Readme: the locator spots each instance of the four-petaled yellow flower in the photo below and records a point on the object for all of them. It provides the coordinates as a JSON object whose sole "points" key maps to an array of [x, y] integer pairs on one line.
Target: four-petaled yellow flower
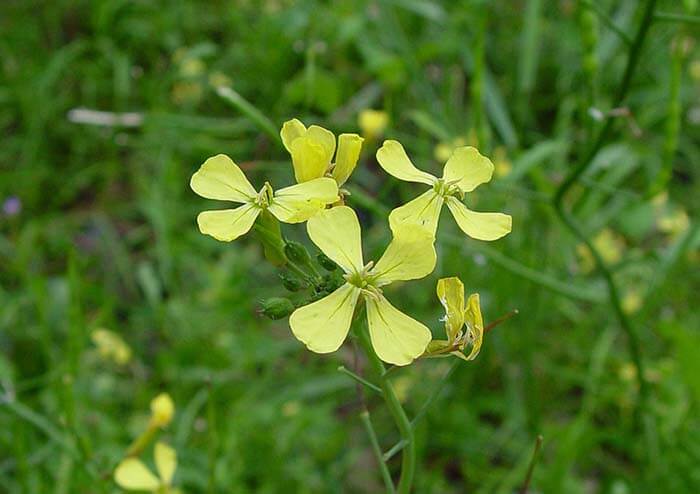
{"points": [[323, 325], [131, 474], [111, 346], [464, 171], [220, 178], [312, 151], [458, 316]]}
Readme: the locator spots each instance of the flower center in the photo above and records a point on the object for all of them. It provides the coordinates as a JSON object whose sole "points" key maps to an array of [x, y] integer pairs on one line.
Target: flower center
{"points": [[447, 188], [364, 281], [264, 198]]}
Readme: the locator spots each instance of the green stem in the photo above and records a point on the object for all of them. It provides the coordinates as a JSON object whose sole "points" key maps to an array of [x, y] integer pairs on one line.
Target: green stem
{"points": [[570, 222], [377, 450], [408, 461]]}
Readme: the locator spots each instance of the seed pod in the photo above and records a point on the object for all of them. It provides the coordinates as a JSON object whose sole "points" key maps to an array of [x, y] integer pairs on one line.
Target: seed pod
{"points": [[276, 307]]}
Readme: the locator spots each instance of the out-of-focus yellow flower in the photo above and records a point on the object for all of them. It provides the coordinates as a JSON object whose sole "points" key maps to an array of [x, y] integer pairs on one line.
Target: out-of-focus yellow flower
{"points": [[131, 474], [221, 179], [192, 67], [219, 79], [694, 70], [312, 150], [501, 162], [372, 123], [162, 410], [632, 301], [464, 171], [608, 243], [111, 346], [673, 222], [444, 150], [323, 325], [185, 92], [458, 316]]}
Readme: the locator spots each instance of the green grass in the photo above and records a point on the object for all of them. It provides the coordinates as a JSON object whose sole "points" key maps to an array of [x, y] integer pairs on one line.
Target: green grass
{"points": [[106, 237]]}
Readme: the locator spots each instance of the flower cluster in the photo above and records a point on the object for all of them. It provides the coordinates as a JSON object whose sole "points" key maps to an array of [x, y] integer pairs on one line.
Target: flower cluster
{"points": [[321, 166]]}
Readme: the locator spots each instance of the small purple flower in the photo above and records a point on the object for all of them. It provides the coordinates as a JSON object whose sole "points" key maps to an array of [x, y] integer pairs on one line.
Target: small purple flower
{"points": [[12, 206]]}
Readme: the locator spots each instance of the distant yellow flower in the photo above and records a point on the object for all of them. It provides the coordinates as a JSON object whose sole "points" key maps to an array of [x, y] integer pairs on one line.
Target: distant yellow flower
{"points": [[323, 325], [162, 410], [111, 346], [501, 162], [312, 151], [220, 178], [608, 243], [632, 301], [673, 221], [131, 474], [464, 171], [444, 150], [372, 123], [464, 324]]}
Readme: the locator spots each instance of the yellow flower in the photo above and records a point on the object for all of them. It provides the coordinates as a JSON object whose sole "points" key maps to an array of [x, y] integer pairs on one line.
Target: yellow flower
{"points": [[111, 346], [458, 316], [131, 474], [312, 150], [444, 150], [372, 123], [162, 410], [501, 162], [323, 325], [220, 178], [610, 246], [464, 171]]}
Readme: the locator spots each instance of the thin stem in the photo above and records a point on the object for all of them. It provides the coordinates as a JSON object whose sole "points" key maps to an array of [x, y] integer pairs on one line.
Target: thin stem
{"points": [[377, 450], [608, 21], [359, 379], [533, 462], [247, 108], [408, 461], [670, 17], [570, 222]]}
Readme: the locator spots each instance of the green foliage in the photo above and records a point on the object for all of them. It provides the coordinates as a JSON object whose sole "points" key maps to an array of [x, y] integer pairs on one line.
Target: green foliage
{"points": [[106, 237]]}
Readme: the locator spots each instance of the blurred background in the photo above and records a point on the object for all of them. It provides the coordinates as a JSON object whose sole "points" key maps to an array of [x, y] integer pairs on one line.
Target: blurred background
{"points": [[109, 295]]}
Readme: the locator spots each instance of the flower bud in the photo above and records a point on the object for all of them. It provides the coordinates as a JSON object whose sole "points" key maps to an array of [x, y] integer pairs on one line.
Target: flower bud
{"points": [[276, 307], [326, 262], [291, 282], [297, 253], [162, 410]]}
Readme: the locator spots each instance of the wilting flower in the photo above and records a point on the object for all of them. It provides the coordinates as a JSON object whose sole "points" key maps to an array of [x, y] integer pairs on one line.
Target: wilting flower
{"points": [[162, 410], [111, 346], [131, 474], [464, 171], [220, 178], [372, 123], [464, 324], [312, 151], [323, 325]]}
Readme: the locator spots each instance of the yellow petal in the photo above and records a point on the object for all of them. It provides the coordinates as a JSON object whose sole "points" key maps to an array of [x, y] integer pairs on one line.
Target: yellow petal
{"points": [[475, 324], [309, 159], [132, 474], [469, 167], [291, 129], [220, 178], [336, 232], [349, 147], [323, 325], [397, 338], [450, 292], [228, 224], [481, 226], [312, 153], [166, 462], [393, 158], [324, 137], [162, 410], [424, 210], [300, 202], [410, 256], [373, 122]]}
